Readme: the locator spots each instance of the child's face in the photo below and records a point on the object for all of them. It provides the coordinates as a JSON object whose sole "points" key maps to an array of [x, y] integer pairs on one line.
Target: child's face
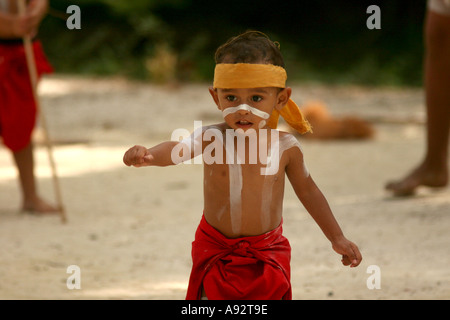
{"points": [[249, 108]]}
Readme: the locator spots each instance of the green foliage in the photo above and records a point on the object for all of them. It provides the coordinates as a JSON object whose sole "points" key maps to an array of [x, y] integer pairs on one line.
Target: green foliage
{"points": [[163, 40]]}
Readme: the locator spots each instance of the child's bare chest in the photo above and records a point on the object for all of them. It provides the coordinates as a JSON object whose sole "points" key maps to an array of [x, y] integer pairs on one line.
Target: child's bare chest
{"points": [[248, 176]]}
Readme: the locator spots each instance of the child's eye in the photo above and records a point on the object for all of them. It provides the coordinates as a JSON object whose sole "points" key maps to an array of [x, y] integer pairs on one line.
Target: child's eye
{"points": [[231, 98], [256, 98]]}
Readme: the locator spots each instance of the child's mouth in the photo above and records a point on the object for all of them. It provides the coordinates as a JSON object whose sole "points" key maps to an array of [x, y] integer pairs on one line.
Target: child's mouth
{"points": [[244, 124]]}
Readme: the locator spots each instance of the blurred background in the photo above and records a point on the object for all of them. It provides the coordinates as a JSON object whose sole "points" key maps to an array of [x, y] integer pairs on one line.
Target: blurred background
{"points": [[167, 40]]}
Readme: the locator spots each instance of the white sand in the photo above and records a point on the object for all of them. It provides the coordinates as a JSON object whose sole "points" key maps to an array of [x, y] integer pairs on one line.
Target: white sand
{"points": [[130, 230]]}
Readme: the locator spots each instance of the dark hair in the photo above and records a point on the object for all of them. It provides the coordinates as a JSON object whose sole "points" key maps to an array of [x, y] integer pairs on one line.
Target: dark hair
{"points": [[250, 47]]}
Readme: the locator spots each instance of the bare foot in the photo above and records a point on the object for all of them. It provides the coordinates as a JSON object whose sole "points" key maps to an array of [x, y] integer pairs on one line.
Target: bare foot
{"points": [[421, 176], [39, 206]]}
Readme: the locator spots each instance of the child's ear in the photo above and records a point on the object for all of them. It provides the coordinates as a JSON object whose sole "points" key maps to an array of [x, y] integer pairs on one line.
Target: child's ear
{"points": [[283, 97], [214, 95]]}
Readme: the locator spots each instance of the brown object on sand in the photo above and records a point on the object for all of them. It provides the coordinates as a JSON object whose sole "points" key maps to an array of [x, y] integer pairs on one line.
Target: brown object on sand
{"points": [[327, 127]]}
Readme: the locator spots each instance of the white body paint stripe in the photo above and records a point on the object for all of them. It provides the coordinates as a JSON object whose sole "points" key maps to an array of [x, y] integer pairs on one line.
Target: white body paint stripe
{"points": [[246, 107]]}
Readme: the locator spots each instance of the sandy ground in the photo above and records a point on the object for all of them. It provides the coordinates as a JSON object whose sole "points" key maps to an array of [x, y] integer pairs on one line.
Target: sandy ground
{"points": [[130, 230]]}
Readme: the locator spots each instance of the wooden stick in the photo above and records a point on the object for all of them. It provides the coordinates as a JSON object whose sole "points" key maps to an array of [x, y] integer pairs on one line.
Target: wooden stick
{"points": [[31, 63]]}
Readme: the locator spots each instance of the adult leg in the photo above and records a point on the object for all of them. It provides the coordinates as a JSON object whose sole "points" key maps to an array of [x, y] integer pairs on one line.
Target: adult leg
{"points": [[433, 171], [25, 165]]}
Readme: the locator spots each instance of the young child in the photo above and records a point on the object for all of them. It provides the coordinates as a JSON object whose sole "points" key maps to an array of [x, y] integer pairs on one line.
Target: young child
{"points": [[17, 105], [239, 251]]}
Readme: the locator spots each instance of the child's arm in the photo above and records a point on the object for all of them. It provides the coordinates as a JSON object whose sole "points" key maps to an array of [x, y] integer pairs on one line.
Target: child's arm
{"points": [[159, 155], [167, 153], [317, 206]]}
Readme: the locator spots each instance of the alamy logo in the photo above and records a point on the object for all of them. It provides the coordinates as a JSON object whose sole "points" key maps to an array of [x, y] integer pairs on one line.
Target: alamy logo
{"points": [[230, 147], [374, 280], [74, 280], [374, 21], [74, 20]]}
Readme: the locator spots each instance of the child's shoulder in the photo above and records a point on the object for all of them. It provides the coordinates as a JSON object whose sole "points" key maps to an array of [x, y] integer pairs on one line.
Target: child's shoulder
{"points": [[284, 134], [287, 136], [288, 141]]}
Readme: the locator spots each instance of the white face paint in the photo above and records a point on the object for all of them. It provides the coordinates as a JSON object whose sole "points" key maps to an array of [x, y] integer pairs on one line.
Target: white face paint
{"points": [[235, 173], [262, 124], [269, 156], [277, 148], [246, 107], [288, 142], [266, 201], [274, 154]]}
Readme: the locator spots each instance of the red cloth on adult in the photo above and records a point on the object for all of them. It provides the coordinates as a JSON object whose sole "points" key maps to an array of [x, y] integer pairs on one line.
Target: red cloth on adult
{"points": [[17, 105], [252, 268]]}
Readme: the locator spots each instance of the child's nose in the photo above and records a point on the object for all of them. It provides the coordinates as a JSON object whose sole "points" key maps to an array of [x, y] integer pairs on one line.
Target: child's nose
{"points": [[243, 111]]}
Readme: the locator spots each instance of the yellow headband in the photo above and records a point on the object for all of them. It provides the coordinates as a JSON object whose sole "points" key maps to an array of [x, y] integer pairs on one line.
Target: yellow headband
{"points": [[245, 75]]}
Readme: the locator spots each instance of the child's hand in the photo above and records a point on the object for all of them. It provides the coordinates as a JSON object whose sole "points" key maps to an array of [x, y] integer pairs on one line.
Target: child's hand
{"points": [[349, 251], [138, 156]]}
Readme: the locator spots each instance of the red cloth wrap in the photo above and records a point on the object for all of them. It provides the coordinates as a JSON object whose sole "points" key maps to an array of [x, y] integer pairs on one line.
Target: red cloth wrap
{"points": [[252, 268], [17, 105]]}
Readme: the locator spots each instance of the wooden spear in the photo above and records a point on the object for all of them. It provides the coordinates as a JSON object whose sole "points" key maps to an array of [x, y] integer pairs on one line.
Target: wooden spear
{"points": [[31, 63]]}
